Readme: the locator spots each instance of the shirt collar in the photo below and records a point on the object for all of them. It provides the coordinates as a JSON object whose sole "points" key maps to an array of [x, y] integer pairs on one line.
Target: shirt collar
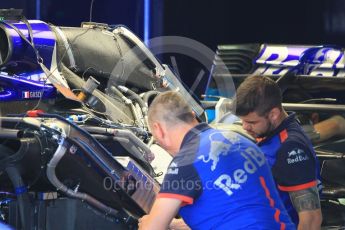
{"points": [[195, 131], [288, 120]]}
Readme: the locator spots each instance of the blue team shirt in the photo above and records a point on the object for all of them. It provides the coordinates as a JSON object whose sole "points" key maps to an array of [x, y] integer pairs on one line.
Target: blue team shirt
{"points": [[5, 227], [224, 182], [290, 153]]}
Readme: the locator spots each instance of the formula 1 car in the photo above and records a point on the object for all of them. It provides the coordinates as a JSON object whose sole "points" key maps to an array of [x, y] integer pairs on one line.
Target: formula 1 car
{"points": [[75, 149], [312, 80], [74, 141]]}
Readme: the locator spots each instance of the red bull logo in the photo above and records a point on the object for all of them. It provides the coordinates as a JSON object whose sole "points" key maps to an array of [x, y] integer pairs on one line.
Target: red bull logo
{"points": [[253, 160], [296, 155], [219, 148]]}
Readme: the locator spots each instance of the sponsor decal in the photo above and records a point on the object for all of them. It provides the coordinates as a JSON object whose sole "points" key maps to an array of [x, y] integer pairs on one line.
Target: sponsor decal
{"points": [[219, 148], [230, 183], [296, 155], [31, 94], [172, 169]]}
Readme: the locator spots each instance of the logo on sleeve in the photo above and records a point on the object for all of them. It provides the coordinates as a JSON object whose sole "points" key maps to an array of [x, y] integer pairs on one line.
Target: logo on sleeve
{"points": [[173, 169], [296, 155]]}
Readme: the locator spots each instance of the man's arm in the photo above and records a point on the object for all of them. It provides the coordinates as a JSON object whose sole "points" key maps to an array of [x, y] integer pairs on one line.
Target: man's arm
{"points": [[161, 214], [334, 126], [178, 224], [307, 204]]}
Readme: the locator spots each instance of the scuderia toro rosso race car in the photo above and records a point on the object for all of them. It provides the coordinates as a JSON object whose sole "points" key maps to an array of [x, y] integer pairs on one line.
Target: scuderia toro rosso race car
{"points": [[75, 149]]}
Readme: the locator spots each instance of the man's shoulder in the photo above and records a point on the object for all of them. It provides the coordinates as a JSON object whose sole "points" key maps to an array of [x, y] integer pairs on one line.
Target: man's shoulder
{"points": [[295, 148], [294, 129], [293, 142], [296, 136], [228, 134]]}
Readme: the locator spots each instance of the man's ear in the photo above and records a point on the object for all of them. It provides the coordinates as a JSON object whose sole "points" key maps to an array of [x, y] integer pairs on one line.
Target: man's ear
{"points": [[274, 114], [158, 130]]}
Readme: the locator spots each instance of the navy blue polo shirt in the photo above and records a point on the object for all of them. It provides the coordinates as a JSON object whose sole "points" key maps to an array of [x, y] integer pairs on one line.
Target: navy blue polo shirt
{"points": [[290, 153], [224, 182]]}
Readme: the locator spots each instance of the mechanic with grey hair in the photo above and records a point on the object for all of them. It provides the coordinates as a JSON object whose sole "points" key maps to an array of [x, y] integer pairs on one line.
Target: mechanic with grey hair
{"points": [[216, 180], [286, 147]]}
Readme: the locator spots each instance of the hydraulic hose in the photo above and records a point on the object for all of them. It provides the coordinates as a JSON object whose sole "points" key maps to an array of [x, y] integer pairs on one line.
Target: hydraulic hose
{"points": [[59, 153], [135, 97], [19, 187], [334, 192], [144, 149], [10, 133], [138, 99], [148, 95], [127, 102], [22, 196]]}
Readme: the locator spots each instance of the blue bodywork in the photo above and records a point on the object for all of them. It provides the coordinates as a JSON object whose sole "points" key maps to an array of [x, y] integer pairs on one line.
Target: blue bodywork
{"points": [[325, 61], [21, 77], [304, 61], [20, 88]]}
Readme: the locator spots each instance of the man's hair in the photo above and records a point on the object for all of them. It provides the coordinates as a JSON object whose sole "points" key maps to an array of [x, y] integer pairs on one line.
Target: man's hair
{"points": [[171, 108], [257, 94]]}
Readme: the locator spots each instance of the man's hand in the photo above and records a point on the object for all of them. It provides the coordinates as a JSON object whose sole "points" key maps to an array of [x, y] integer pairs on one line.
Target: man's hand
{"points": [[161, 214], [178, 224], [142, 222], [307, 204]]}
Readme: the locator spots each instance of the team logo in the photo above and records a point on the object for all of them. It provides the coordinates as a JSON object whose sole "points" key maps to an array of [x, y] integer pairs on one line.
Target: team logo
{"points": [[219, 148], [236, 179], [225, 183], [223, 144], [296, 155], [173, 169]]}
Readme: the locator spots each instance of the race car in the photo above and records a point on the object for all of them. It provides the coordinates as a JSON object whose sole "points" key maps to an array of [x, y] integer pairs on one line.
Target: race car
{"points": [[76, 152], [75, 149]]}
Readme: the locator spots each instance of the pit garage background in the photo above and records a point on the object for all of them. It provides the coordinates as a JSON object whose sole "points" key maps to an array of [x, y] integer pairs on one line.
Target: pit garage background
{"points": [[208, 22]]}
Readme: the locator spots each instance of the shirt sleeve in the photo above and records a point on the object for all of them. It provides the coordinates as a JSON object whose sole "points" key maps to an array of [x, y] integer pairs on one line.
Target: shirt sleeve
{"points": [[181, 182], [295, 167]]}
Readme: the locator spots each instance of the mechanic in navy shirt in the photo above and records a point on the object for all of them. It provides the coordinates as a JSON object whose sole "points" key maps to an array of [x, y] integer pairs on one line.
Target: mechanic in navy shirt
{"points": [[216, 180], [288, 150]]}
